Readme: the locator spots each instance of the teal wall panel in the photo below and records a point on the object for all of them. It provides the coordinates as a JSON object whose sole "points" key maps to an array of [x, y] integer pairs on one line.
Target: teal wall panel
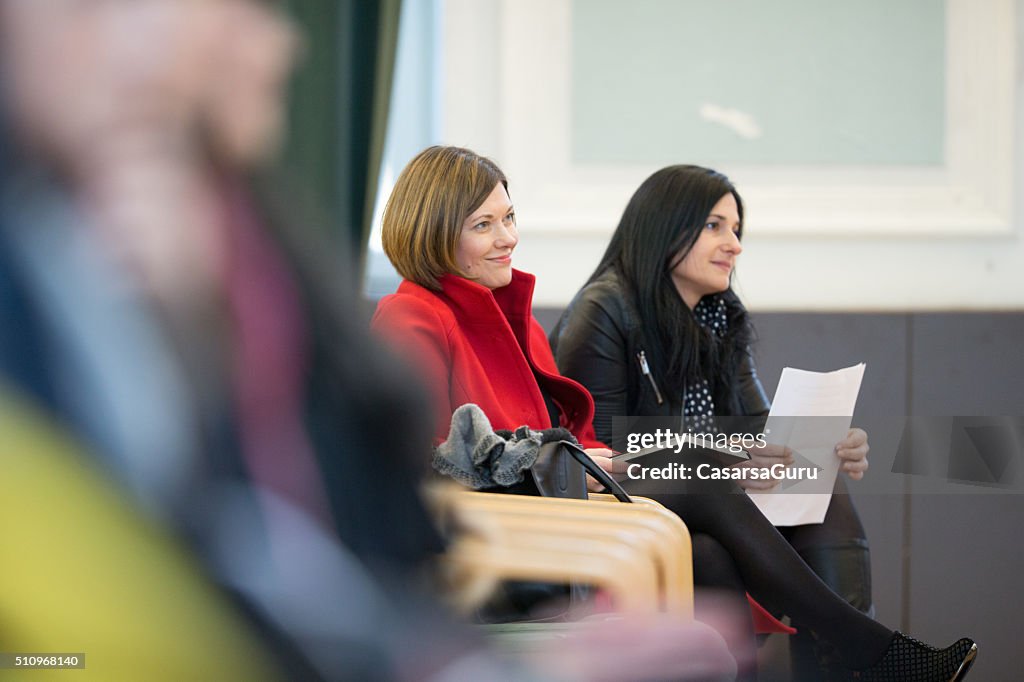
{"points": [[811, 81]]}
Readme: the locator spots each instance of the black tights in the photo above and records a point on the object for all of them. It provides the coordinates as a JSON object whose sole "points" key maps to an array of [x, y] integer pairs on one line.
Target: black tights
{"points": [[715, 572], [837, 551], [770, 569]]}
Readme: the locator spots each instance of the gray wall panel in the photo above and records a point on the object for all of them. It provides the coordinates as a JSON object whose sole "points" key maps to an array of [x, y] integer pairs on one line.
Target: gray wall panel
{"points": [[966, 558], [966, 564], [968, 364]]}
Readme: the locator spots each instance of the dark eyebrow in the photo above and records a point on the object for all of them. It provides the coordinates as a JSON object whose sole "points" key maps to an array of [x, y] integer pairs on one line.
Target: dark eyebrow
{"points": [[723, 218]]}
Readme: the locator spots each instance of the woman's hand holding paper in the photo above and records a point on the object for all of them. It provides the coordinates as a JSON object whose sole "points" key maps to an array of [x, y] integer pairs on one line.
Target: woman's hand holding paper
{"points": [[853, 451]]}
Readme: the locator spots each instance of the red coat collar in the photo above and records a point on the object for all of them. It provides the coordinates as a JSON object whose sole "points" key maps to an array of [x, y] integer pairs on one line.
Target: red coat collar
{"points": [[471, 302]]}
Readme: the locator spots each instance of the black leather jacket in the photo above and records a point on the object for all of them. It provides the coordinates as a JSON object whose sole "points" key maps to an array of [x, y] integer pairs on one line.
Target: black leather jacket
{"points": [[598, 343]]}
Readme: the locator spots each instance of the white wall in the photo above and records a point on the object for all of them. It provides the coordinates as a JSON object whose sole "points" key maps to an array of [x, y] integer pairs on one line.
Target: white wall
{"points": [[818, 237]]}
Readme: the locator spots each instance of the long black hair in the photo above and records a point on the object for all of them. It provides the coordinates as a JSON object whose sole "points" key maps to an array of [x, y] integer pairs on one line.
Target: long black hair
{"points": [[660, 225]]}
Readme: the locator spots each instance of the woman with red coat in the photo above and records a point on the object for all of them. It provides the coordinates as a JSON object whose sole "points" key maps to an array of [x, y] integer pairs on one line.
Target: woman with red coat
{"points": [[463, 316], [464, 311]]}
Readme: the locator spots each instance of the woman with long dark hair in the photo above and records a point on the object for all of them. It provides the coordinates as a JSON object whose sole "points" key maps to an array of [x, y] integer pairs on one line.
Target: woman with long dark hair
{"points": [[658, 331]]}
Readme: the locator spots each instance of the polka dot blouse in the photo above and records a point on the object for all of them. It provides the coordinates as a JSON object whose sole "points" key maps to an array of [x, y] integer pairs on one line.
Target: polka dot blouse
{"points": [[697, 401]]}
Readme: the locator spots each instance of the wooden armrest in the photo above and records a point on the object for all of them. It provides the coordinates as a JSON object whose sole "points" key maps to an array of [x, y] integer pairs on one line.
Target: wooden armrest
{"points": [[580, 530], [669, 556], [629, 579]]}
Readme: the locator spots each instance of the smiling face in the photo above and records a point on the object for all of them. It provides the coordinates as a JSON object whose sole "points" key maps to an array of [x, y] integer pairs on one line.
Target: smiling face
{"points": [[488, 237], [707, 268]]}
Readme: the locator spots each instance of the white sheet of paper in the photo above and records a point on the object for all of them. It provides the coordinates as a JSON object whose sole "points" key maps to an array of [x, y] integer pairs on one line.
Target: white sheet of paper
{"points": [[809, 394]]}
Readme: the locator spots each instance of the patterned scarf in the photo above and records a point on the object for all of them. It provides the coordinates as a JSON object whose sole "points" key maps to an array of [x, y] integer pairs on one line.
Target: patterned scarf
{"points": [[710, 312]]}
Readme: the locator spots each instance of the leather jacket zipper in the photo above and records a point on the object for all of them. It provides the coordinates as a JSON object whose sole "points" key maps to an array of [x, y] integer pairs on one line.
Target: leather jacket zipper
{"points": [[645, 369]]}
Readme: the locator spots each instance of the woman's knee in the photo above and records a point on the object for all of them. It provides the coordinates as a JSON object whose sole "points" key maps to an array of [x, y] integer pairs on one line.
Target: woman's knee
{"points": [[713, 565]]}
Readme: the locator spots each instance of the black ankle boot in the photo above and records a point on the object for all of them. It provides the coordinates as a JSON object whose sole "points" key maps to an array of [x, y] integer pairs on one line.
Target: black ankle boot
{"points": [[908, 660]]}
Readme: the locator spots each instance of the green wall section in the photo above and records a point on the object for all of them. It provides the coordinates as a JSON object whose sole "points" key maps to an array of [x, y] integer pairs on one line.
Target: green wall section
{"points": [[338, 105], [313, 117], [825, 81]]}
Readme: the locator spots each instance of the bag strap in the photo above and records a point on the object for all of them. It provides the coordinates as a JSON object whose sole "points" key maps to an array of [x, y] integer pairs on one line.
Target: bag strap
{"points": [[602, 477]]}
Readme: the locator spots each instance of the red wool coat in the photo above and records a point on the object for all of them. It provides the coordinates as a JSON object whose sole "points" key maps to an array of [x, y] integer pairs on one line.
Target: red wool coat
{"points": [[475, 345]]}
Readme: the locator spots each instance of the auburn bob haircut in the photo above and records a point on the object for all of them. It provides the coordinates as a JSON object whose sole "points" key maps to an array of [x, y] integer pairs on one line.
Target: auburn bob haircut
{"points": [[423, 218]]}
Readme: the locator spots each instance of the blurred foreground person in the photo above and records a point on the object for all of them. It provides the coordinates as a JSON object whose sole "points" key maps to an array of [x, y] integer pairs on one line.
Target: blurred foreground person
{"points": [[202, 478], [169, 326]]}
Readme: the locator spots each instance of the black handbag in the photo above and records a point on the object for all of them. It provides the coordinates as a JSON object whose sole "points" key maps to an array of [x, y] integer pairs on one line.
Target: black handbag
{"points": [[561, 471], [556, 473]]}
